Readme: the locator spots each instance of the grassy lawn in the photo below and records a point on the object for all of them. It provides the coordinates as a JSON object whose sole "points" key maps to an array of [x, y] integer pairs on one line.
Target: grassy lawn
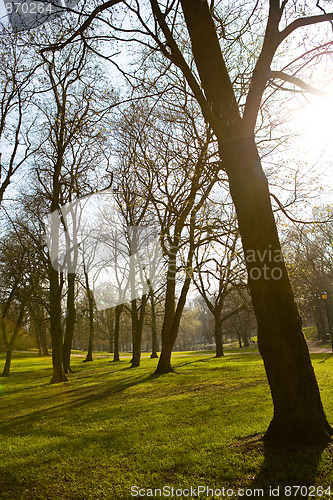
{"points": [[112, 427]]}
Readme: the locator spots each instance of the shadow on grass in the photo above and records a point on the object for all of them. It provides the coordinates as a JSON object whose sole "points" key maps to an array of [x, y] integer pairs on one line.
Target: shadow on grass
{"points": [[75, 398], [285, 467]]}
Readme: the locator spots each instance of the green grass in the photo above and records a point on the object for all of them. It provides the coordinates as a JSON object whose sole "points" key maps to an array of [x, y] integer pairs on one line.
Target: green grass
{"points": [[112, 427], [310, 333]]}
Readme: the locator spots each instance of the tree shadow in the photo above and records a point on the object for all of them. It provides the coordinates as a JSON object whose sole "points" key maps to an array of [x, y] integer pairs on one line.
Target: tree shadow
{"points": [[286, 466]]}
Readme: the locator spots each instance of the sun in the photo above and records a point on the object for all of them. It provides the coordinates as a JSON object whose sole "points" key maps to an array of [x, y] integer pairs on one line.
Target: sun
{"points": [[316, 121]]}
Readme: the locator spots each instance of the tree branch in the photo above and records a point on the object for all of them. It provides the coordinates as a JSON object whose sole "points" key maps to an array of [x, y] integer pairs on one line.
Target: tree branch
{"points": [[298, 82], [304, 21]]}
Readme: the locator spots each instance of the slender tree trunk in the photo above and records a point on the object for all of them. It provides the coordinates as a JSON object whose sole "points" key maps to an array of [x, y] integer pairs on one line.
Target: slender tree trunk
{"points": [[42, 337], [56, 328], [110, 327], [218, 333], [38, 317], [154, 341], [90, 297], [70, 323], [245, 337], [239, 340], [38, 342], [137, 328], [298, 411], [171, 323], [320, 323], [116, 333], [11, 342], [6, 369]]}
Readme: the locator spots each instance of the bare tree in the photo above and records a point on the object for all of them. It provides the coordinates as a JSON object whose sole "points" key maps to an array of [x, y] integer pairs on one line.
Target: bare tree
{"points": [[298, 412]]}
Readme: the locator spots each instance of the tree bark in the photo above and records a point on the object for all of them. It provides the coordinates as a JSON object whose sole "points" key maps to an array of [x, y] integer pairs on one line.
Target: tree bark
{"points": [[90, 297], [9, 344], [70, 323], [154, 340], [320, 323], [116, 333], [110, 328], [6, 369], [137, 328], [298, 411], [171, 323], [56, 328], [218, 333]]}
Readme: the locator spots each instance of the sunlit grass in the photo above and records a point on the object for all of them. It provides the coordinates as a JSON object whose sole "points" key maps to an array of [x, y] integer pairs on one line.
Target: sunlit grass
{"points": [[111, 427]]}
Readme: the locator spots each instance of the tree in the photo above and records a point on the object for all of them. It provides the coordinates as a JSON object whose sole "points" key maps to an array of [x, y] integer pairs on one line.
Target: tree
{"points": [[219, 268], [16, 69], [298, 410], [73, 147], [19, 277]]}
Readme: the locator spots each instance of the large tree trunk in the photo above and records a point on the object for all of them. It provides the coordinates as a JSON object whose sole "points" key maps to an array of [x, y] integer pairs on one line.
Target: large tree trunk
{"points": [[116, 333], [298, 411], [70, 323], [218, 333], [56, 328]]}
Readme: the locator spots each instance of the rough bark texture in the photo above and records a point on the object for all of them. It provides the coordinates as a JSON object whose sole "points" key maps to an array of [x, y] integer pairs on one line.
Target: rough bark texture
{"points": [[70, 323], [298, 411]]}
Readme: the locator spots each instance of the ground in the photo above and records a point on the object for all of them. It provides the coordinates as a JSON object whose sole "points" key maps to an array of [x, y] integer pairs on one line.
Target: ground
{"points": [[111, 428]]}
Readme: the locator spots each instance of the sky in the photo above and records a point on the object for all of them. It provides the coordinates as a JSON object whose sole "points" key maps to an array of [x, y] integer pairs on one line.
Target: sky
{"points": [[312, 144]]}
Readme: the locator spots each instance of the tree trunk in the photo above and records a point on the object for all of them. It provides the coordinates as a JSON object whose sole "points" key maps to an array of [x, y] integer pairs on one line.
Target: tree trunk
{"points": [[137, 328], [218, 333], [6, 368], [171, 323], [55, 327], [42, 337], [298, 411], [116, 333], [320, 323], [91, 320], [70, 323], [110, 328], [10, 344], [154, 341], [245, 337], [239, 340]]}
